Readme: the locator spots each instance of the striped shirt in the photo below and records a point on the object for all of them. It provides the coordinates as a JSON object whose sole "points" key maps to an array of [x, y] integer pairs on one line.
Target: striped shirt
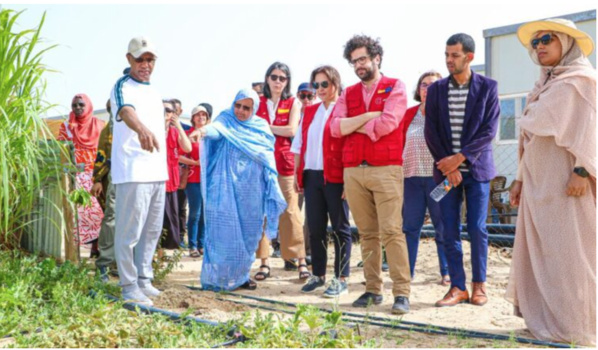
{"points": [[457, 98]]}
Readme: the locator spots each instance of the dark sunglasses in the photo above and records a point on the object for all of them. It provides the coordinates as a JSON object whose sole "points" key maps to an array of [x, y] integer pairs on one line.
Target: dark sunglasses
{"points": [[306, 96], [168, 110], [148, 60], [245, 108], [280, 78], [544, 39], [323, 84], [78, 105]]}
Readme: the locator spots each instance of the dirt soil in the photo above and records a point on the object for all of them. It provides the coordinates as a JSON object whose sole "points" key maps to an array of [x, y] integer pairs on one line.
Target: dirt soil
{"points": [[495, 317]]}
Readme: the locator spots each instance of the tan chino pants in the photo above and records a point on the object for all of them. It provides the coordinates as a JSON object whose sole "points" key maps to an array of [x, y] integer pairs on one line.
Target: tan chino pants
{"points": [[375, 196], [290, 227]]}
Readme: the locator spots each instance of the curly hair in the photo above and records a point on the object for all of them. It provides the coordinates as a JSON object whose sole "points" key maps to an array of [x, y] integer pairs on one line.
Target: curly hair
{"points": [[372, 46]]}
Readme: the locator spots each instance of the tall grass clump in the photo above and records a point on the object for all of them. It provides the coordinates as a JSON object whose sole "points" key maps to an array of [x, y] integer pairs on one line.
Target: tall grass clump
{"points": [[25, 160]]}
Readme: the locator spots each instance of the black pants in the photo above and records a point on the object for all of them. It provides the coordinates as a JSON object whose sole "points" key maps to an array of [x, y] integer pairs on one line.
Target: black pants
{"points": [[171, 222], [323, 201], [182, 199]]}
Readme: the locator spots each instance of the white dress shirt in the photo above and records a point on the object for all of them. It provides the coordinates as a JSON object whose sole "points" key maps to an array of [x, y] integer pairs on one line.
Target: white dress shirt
{"points": [[314, 154]]}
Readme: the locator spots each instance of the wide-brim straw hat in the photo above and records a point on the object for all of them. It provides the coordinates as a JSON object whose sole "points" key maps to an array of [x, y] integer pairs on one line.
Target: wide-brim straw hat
{"points": [[527, 30]]}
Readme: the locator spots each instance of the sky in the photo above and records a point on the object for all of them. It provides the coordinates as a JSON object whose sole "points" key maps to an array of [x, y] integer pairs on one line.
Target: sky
{"points": [[207, 52]]}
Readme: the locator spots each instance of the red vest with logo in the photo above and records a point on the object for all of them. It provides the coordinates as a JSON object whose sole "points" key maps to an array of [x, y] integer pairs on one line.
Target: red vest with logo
{"points": [[285, 159], [388, 150], [332, 148]]}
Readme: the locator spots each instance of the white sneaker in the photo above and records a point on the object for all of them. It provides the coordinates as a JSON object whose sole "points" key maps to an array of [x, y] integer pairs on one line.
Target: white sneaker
{"points": [[137, 296], [146, 287]]}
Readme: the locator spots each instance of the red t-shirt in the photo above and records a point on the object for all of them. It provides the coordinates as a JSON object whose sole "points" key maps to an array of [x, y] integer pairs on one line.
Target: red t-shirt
{"points": [[194, 170], [172, 159]]}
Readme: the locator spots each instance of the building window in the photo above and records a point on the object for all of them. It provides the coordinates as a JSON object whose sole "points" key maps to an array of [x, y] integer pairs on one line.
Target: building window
{"points": [[511, 109]]}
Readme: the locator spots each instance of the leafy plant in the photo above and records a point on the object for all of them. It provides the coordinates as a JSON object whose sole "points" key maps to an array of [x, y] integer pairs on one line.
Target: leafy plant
{"points": [[81, 197], [27, 159]]}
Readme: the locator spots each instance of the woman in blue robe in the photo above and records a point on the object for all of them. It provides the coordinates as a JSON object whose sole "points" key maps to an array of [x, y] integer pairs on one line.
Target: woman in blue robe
{"points": [[242, 196]]}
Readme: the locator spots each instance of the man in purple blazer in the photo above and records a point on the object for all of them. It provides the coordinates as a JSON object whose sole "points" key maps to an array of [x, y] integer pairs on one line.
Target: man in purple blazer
{"points": [[462, 114]]}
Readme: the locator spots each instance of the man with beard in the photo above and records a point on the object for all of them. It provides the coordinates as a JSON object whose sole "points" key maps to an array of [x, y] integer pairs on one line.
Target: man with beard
{"points": [[368, 115], [462, 114]]}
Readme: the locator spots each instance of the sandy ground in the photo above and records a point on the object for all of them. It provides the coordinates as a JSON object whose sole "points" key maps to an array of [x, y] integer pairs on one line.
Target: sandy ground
{"points": [[496, 316]]}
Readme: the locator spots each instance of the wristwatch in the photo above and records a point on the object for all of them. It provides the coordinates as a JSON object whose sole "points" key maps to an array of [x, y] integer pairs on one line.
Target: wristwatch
{"points": [[581, 171]]}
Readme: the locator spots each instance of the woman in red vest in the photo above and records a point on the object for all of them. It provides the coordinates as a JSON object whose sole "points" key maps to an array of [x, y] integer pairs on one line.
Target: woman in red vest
{"points": [[319, 175], [280, 109]]}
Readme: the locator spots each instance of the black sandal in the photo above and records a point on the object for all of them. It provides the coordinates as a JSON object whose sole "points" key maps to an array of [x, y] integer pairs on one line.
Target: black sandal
{"points": [[303, 275], [261, 275], [249, 285]]}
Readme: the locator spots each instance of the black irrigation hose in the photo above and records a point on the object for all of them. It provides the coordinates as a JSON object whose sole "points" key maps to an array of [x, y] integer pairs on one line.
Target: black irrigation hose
{"points": [[10, 335], [238, 337], [418, 326]]}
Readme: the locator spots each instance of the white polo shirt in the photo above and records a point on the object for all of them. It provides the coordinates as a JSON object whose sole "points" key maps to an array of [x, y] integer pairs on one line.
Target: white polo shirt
{"points": [[130, 163]]}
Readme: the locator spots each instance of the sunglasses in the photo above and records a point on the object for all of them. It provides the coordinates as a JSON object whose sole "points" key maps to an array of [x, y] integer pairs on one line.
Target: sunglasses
{"points": [[325, 84], [245, 108], [306, 96], [148, 60], [544, 39], [168, 110], [280, 78], [78, 105], [360, 60]]}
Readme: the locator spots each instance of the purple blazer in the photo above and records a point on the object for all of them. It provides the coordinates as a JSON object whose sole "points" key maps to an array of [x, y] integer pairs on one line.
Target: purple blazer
{"points": [[482, 113]]}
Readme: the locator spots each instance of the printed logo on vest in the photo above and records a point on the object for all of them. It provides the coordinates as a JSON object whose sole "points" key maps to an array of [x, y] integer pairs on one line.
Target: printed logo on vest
{"points": [[385, 91]]}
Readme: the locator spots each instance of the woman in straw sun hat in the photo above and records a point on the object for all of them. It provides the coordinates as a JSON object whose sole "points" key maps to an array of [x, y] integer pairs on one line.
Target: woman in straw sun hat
{"points": [[553, 273]]}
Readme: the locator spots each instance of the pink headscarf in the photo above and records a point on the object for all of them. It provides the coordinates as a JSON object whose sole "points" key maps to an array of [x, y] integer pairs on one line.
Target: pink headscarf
{"points": [[86, 128]]}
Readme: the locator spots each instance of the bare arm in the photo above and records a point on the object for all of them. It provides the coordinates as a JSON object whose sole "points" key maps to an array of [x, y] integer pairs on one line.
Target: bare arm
{"points": [[184, 142], [188, 161], [290, 129], [146, 137]]}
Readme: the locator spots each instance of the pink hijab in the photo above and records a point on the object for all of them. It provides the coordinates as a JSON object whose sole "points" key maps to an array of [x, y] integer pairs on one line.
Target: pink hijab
{"points": [[85, 128]]}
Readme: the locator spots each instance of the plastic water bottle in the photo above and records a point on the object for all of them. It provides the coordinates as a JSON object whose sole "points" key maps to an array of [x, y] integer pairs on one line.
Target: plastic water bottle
{"points": [[441, 190]]}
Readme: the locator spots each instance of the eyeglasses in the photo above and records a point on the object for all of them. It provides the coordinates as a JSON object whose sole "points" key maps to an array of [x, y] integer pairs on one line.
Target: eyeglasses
{"points": [[240, 106], [168, 110], [78, 105], [148, 60], [424, 85], [325, 84], [280, 78], [306, 96], [544, 39], [360, 60]]}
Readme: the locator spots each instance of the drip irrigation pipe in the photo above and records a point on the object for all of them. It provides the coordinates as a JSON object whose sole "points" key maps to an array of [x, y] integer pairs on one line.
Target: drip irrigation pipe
{"points": [[10, 335], [238, 337], [417, 326]]}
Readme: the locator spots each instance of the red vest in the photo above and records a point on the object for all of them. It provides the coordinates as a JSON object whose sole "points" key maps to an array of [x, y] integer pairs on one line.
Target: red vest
{"points": [[332, 148], [388, 150], [285, 159]]}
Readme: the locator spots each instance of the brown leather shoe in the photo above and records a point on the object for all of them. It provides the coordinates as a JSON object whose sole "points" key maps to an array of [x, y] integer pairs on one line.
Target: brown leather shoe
{"points": [[478, 294], [453, 297]]}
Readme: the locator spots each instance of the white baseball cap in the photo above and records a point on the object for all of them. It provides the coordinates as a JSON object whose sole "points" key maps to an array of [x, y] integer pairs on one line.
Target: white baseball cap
{"points": [[140, 45]]}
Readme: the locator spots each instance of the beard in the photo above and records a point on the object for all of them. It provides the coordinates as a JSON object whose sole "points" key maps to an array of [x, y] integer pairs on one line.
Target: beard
{"points": [[367, 75]]}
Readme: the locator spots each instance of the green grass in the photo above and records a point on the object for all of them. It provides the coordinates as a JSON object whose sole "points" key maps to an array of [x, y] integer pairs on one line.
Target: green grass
{"points": [[38, 293]]}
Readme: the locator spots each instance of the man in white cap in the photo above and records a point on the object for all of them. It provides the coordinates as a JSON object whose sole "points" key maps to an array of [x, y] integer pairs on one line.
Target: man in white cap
{"points": [[139, 171]]}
